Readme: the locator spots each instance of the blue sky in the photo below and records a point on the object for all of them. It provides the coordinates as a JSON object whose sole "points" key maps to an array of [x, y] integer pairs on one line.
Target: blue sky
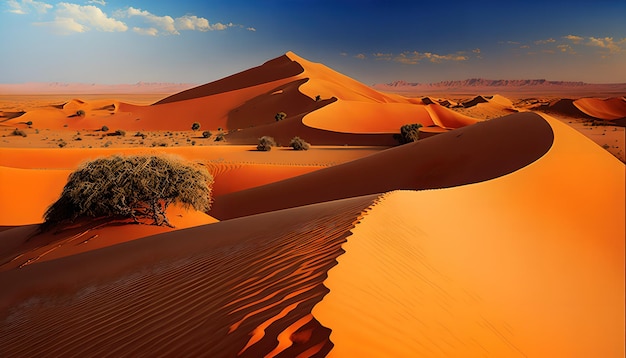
{"points": [[373, 41]]}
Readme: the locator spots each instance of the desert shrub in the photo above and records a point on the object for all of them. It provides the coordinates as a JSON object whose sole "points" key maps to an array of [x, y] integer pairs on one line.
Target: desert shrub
{"points": [[318, 98], [193, 142], [104, 129], [107, 144], [195, 126], [265, 144], [298, 143], [280, 116], [139, 134], [120, 132], [137, 187], [206, 134], [220, 137], [19, 132], [29, 123], [408, 133], [80, 113], [62, 144]]}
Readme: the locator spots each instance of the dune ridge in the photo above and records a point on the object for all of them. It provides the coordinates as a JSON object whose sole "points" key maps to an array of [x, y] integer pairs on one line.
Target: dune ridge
{"points": [[467, 155], [526, 272], [219, 289]]}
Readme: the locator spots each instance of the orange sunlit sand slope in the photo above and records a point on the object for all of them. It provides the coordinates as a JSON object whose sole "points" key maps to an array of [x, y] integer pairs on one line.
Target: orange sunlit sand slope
{"points": [[500, 237]]}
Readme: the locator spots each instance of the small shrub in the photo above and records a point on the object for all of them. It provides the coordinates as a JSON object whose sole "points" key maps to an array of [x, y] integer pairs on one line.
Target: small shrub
{"points": [[280, 116], [408, 133], [206, 134], [80, 113], [104, 129], [195, 126], [120, 132], [193, 142], [220, 137], [62, 144], [19, 132], [78, 138], [29, 123], [139, 134], [265, 144], [318, 98], [65, 125], [298, 143], [107, 144]]}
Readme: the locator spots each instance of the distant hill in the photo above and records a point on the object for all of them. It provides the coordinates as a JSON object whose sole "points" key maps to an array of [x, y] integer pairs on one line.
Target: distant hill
{"points": [[92, 88], [481, 85]]}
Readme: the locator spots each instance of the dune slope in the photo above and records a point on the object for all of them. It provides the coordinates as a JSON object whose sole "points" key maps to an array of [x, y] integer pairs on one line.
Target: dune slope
{"points": [[467, 155], [215, 290], [518, 266]]}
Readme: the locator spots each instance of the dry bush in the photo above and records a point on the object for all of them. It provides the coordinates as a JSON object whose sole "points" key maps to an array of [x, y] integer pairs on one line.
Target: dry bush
{"points": [[19, 132], [137, 187], [298, 143], [408, 133], [265, 144]]}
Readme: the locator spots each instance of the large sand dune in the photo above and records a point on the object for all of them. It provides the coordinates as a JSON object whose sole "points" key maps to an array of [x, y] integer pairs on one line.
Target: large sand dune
{"points": [[511, 269], [242, 287], [498, 237], [467, 155]]}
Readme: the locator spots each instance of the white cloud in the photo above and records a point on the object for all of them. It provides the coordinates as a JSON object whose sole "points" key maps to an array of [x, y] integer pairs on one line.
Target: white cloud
{"points": [[251, 29], [168, 25], [25, 6], [99, 2], [607, 43], [192, 23], [88, 16], [149, 31], [413, 58], [162, 23], [575, 39], [545, 42], [360, 56]]}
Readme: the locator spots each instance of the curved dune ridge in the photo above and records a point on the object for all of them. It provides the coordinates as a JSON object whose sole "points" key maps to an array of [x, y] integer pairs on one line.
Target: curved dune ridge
{"points": [[468, 155], [214, 290], [608, 109], [246, 103], [516, 267]]}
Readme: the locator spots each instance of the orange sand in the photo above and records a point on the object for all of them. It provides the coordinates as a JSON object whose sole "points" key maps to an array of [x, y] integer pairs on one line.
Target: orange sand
{"points": [[527, 273], [608, 109]]}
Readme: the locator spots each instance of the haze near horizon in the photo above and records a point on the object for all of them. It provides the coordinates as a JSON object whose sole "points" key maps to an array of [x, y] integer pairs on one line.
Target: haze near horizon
{"points": [[111, 42]]}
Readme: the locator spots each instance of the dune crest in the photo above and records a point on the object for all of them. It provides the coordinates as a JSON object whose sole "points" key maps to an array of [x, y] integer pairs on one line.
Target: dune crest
{"points": [[215, 290]]}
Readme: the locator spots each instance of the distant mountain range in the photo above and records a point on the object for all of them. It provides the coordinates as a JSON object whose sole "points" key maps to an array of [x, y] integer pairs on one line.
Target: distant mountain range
{"points": [[481, 84]]}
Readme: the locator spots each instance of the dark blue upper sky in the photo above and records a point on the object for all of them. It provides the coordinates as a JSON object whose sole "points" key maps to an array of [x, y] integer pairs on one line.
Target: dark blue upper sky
{"points": [[125, 41]]}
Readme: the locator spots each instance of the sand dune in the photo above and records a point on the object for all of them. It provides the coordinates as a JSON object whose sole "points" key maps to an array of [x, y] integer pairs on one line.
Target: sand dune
{"points": [[246, 104], [215, 290], [468, 155], [608, 109], [527, 272], [26, 245]]}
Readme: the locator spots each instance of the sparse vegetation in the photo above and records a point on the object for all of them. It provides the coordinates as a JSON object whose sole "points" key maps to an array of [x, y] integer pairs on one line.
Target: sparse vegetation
{"points": [[298, 143], [318, 98], [29, 123], [265, 144], [195, 126], [137, 187], [206, 134], [104, 129], [408, 133], [220, 137], [280, 116], [80, 113], [19, 132], [62, 144], [118, 132]]}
